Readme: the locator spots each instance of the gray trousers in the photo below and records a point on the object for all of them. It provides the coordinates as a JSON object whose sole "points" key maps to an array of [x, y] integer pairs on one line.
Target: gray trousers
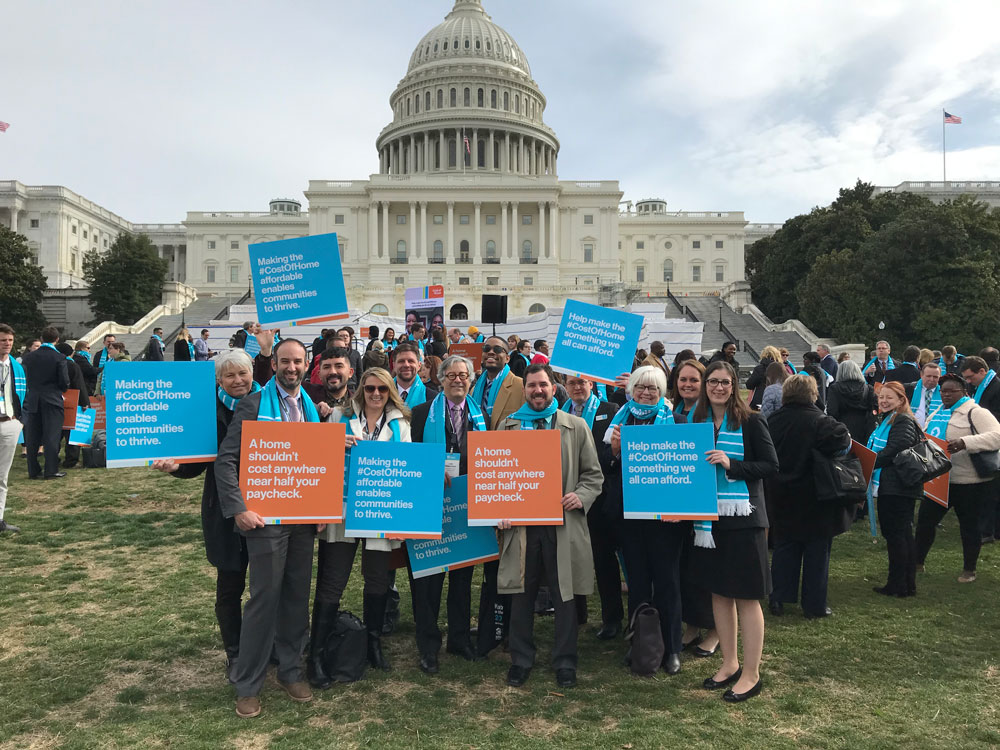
{"points": [[540, 565], [9, 431], [276, 616]]}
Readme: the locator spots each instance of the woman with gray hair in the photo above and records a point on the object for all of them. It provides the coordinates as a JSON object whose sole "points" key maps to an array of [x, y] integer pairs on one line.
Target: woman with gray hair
{"points": [[802, 528], [652, 548], [226, 550], [852, 401]]}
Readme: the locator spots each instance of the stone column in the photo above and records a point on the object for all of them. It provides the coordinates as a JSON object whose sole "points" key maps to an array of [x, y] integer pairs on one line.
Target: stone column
{"points": [[423, 228], [513, 231], [173, 267], [412, 163], [441, 159], [490, 160], [520, 155], [385, 229], [372, 231], [427, 152], [505, 166], [475, 148], [413, 229], [477, 250], [381, 161], [553, 223], [503, 229], [451, 229], [542, 251]]}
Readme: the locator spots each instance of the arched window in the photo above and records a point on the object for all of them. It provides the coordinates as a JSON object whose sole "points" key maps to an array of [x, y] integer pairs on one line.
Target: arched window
{"points": [[491, 249], [438, 250], [452, 159], [445, 48], [379, 309], [478, 44], [401, 251], [517, 103], [454, 97], [506, 101], [493, 98], [416, 104], [458, 312], [467, 98], [536, 308], [640, 274], [440, 98], [668, 270], [527, 251], [427, 101], [467, 44], [435, 46], [407, 105], [481, 98], [463, 251]]}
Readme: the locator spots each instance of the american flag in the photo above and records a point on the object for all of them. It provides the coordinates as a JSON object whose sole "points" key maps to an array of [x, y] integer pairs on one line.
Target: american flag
{"points": [[4, 126], [951, 119], [467, 149]]}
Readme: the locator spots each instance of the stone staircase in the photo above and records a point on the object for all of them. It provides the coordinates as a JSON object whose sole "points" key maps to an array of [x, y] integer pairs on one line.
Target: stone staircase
{"points": [[196, 316]]}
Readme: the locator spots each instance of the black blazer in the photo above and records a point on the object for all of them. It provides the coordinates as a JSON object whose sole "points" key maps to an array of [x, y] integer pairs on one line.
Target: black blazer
{"points": [[605, 411], [153, 351], [76, 381], [87, 369], [181, 351], [418, 421], [880, 374], [903, 434], [47, 376], [990, 399], [757, 381], [905, 373]]}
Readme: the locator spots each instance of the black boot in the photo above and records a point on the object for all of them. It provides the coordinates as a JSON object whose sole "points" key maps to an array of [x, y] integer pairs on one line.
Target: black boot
{"points": [[391, 611], [374, 613], [230, 623], [324, 617]]}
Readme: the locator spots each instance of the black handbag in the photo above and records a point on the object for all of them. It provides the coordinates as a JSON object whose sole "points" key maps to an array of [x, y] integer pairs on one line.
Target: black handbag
{"points": [[987, 463], [921, 463], [346, 649], [839, 480]]}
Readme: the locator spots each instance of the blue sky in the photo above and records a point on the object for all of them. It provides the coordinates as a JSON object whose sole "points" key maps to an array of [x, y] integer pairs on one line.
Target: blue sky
{"points": [[154, 108]]}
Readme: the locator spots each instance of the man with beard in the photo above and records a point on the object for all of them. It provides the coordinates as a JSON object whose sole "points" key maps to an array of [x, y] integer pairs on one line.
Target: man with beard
{"points": [[406, 365], [276, 617], [558, 555], [335, 374]]}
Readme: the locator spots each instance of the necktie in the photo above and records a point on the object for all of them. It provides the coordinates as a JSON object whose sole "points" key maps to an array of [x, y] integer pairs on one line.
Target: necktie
{"points": [[294, 413], [403, 395], [457, 422], [539, 424], [578, 410]]}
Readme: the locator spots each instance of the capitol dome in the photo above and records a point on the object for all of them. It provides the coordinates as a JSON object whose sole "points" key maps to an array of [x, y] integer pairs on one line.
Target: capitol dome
{"points": [[467, 102]]}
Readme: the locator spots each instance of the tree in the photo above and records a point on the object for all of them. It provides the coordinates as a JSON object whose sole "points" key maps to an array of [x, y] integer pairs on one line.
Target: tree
{"points": [[126, 282], [23, 286]]}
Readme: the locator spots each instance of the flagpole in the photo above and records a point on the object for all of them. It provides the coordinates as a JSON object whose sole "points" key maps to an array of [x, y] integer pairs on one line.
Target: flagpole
{"points": [[944, 158]]}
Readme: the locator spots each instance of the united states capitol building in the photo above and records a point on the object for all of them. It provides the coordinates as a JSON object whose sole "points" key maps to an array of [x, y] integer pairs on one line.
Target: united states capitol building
{"points": [[467, 195]]}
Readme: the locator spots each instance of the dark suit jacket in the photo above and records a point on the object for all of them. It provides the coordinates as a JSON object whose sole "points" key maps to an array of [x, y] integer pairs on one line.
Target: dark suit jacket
{"points": [[605, 411], [418, 420], [181, 351], [87, 369], [907, 372], [47, 376], [829, 363], [76, 381], [880, 375], [990, 399], [153, 351]]}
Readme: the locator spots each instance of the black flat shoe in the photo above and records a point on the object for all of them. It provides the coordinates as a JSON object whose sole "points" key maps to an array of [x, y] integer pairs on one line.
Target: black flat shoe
{"points": [[815, 615], [776, 608], [672, 664], [702, 653], [730, 697], [466, 652], [517, 676], [566, 678], [57, 475], [692, 643], [886, 591], [609, 631], [429, 664], [710, 684]]}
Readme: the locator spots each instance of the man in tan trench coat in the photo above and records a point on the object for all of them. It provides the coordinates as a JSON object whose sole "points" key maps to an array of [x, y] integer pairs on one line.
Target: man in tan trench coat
{"points": [[560, 556]]}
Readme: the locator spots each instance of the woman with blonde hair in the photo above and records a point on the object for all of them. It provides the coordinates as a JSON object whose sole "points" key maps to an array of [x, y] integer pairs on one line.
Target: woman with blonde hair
{"points": [[926, 355], [183, 347], [758, 378], [376, 412]]}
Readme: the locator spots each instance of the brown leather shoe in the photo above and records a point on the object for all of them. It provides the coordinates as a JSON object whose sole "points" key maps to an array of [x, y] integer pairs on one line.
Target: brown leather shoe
{"points": [[297, 691], [248, 707]]}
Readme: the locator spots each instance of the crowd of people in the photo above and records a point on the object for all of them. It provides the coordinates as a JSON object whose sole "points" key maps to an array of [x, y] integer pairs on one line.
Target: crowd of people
{"points": [[705, 580]]}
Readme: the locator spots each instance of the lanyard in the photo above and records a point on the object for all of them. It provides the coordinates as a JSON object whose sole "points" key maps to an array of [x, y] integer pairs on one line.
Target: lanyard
{"points": [[378, 428]]}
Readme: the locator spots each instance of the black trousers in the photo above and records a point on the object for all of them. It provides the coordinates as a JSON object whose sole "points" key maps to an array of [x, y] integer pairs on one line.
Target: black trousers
{"points": [[605, 540], [229, 588], [967, 500], [696, 600], [72, 452], [895, 517], [43, 428], [335, 561], [989, 511], [653, 559], [425, 593], [540, 565], [494, 611], [812, 557]]}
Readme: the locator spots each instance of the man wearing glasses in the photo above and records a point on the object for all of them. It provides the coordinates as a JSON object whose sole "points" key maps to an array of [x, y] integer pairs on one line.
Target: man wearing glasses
{"points": [[447, 418]]}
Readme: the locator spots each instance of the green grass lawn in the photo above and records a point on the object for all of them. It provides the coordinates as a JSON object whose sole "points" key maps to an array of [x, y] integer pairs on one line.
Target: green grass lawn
{"points": [[108, 639]]}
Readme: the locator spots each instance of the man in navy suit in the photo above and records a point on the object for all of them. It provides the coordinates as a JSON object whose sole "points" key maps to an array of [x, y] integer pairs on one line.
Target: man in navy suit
{"points": [[47, 376]]}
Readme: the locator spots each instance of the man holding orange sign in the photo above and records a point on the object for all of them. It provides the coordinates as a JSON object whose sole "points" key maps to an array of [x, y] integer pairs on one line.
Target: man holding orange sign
{"points": [[556, 546]]}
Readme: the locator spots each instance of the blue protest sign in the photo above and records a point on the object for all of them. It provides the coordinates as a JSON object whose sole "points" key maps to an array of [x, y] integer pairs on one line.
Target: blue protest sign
{"points": [[395, 490], [664, 472], [595, 342], [460, 545], [83, 433], [160, 410], [298, 281], [252, 346]]}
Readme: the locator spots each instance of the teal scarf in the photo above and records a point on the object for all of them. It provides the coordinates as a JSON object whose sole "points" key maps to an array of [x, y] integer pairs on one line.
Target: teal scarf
{"points": [[643, 412], [930, 408], [733, 494], [231, 402], [876, 443], [679, 409], [937, 424], [944, 365], [528, 416], [589, 408], [102, 357], [270, 408], [527, 360], [602, 391], [434, 430], [190, 351], [20, 381], [982, 386], [393, 427], [53, 348], [480, 387], [416, 394], [889, 365]]}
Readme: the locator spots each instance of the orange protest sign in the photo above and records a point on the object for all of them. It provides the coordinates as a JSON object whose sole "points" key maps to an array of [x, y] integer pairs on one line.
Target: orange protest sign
{"points": [[101, 419], [71, 399], [866, 457], [515, 475], [472, 351], [937, 489], [293, 472]]}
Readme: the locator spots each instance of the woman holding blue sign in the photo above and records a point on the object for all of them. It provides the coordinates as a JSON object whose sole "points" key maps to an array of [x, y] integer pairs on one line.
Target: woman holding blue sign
{"points": [[730, 555], [375, 413], [652, 548]]}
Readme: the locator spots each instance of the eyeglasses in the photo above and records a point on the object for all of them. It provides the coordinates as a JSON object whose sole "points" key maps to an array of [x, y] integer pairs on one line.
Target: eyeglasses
{"points": [[716, 383], [383, 389], [463, 376], [487, 349], [650, 388]]}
